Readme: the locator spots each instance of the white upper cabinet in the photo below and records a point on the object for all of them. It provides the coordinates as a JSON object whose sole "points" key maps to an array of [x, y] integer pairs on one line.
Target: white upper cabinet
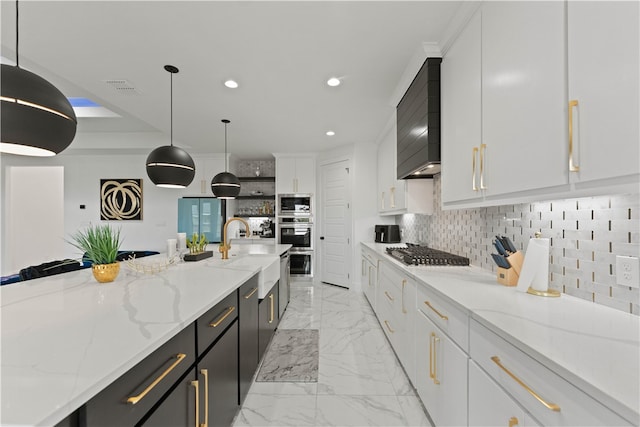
{"points": [[523, 97], [295, 174], [206, 169], [399, 196], [461, 115], [556, 111], [603, 80]]}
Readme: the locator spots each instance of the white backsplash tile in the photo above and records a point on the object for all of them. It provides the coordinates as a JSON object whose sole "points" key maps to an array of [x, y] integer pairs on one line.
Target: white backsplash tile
{"points": [[586, 235]]}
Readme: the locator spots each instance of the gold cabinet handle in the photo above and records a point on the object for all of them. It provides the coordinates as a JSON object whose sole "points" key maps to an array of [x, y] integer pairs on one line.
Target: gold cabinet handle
{"points": [[389, 296], [442, 316], [433, 373], [223, 316], [404, 282], [194, 384], [382, 202], [483, 147], [474, 187], [572, 166], [389, 326], [392, 197], [513, 421], [551, 406], [205, 374], [271, 316], [135, 399], [250, 294]]}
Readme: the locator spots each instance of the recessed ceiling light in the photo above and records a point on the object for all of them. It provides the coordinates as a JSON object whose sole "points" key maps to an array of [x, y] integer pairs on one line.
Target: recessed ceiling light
{"points": [[333, 81], [330, 133], [231, 84]]}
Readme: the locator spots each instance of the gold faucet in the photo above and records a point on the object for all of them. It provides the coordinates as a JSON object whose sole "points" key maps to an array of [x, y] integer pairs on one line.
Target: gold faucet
{"points": [[225, 246]]}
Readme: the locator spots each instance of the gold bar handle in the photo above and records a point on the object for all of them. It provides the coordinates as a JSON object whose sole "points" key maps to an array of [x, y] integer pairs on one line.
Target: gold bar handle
{"points": [[404, 282], [389, 327], [474, 187], [572, 166], [431, 374], [436, 340], [250, 294], [551, 406], [483, 148], [442, 316], [194, 384], [513, 421], [205, 374], [135, 399], [392, 197], [382, 202], [389, 296], [223, 316], [271, 305]]}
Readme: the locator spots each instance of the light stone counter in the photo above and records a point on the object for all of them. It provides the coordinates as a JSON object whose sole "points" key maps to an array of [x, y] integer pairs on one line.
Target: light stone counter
{"points": [[596, 348], [67, 337]]}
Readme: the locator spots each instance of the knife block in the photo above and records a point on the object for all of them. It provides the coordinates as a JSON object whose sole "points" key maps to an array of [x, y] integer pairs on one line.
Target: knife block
{"points": [[509, 276]]}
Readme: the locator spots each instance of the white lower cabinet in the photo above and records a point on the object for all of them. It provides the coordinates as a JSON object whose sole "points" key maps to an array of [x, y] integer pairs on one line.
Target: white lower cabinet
{"points": [[369, 274], [396, 311], [490, 406], [441, 374], [541, 392]]}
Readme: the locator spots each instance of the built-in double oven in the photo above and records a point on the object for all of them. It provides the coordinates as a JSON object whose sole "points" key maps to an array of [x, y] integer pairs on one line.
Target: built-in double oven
{"points": [[295, 228]]}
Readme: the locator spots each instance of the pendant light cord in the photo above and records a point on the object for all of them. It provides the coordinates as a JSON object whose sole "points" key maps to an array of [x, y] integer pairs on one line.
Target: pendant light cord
{"points": [[17, 32], [171, 108], [226, 160]]}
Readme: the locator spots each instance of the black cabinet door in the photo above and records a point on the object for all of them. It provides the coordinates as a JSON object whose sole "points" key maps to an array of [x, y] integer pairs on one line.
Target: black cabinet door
{"points": [[248, 335], [218, 374], [268, 315], [180, 407]]}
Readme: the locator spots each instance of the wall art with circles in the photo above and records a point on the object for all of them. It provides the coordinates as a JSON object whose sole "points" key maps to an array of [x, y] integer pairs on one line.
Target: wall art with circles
{"points": [[121, 199]]}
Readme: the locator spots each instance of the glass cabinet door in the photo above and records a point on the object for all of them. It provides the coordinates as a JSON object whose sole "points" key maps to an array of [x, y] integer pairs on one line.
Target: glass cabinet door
{"points": [[200, 215]]}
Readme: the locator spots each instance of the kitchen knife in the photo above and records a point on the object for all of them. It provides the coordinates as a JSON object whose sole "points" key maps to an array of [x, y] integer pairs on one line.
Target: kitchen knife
{"points": [[499, 247], [508, 244], [501, 261]]}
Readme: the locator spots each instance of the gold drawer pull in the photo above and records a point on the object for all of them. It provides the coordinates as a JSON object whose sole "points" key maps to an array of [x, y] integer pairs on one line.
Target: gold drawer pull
{"points": [[389, 296], [226, 314], [404, 283], [135, 399], [271, 313], [483, 147], [442, 316], [205, 374], [250, 294], [551, 406], [513, 421], [194, 384], [389, 327]]}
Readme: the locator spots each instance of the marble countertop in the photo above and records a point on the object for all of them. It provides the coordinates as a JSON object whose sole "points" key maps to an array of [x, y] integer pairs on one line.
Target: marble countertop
{"points": [[67, 337], [594, 347]]}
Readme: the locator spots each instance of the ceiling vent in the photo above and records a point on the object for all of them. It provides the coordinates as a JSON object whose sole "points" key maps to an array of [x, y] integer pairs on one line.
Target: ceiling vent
{"points": [[121, 86]]}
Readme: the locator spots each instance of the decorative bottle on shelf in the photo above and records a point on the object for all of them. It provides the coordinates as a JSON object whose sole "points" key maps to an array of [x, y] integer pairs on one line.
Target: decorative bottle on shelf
{"points": [[258, 170]]}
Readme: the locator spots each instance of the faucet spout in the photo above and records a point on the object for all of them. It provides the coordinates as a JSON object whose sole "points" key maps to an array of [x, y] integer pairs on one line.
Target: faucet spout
{"points": [[225, 246]]}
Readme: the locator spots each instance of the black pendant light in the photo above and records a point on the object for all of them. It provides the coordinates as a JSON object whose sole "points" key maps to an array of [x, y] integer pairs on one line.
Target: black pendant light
{"points": [[169, 166], [225, 185], [37, 119]]}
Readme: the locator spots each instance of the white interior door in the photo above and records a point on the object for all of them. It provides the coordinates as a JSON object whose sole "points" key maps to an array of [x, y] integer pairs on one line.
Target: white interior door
{"points": [[335, 224]]}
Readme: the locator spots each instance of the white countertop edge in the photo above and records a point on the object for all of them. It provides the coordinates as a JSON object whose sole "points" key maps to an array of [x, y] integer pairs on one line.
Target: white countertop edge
{"points": [[622, 404]]}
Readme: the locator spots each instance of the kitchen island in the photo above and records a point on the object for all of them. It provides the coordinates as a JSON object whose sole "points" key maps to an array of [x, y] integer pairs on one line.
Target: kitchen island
{"points": [[65, 338], [581, 358]]}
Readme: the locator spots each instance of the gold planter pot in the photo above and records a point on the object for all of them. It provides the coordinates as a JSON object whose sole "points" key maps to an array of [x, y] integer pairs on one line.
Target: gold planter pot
{"points": [[105, 273]]}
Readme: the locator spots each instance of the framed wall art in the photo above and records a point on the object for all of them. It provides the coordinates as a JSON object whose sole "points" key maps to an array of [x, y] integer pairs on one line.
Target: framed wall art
{"points": [[121, 199]]}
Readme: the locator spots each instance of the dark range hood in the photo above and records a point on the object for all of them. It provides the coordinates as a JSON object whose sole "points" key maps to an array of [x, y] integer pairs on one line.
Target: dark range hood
{"points": [[418, 124]]}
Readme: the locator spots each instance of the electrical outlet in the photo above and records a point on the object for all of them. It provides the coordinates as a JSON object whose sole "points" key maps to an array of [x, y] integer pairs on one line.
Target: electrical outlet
{"points": [[628, 271]]}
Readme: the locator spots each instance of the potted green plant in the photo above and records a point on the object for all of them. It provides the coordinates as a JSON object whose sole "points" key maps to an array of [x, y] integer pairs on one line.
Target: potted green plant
{"points": [[100, 245]]}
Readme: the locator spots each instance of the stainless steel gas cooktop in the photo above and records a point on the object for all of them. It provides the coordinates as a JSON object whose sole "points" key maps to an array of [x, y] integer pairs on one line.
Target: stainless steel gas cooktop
{"points": [[423, 255]]}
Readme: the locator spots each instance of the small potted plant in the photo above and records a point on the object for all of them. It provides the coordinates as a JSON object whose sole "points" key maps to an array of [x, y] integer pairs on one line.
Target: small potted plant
{"points": [[100, 244], [197, 245]]}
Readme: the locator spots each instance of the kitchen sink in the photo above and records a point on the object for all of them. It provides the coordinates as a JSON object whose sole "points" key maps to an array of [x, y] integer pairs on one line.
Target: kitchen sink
{"points": [[269, 268]]}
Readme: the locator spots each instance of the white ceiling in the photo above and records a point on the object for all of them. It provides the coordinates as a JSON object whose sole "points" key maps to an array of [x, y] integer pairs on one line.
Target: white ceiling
{"points": [[281, 53]]}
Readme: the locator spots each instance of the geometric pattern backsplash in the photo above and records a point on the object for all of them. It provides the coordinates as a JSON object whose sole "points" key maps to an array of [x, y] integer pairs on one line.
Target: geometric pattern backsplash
{"points": [[585, 233]]}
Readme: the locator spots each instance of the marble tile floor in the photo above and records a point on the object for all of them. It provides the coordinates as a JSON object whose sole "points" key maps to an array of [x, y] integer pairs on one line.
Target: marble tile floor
{"points": [[360, 381]]}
